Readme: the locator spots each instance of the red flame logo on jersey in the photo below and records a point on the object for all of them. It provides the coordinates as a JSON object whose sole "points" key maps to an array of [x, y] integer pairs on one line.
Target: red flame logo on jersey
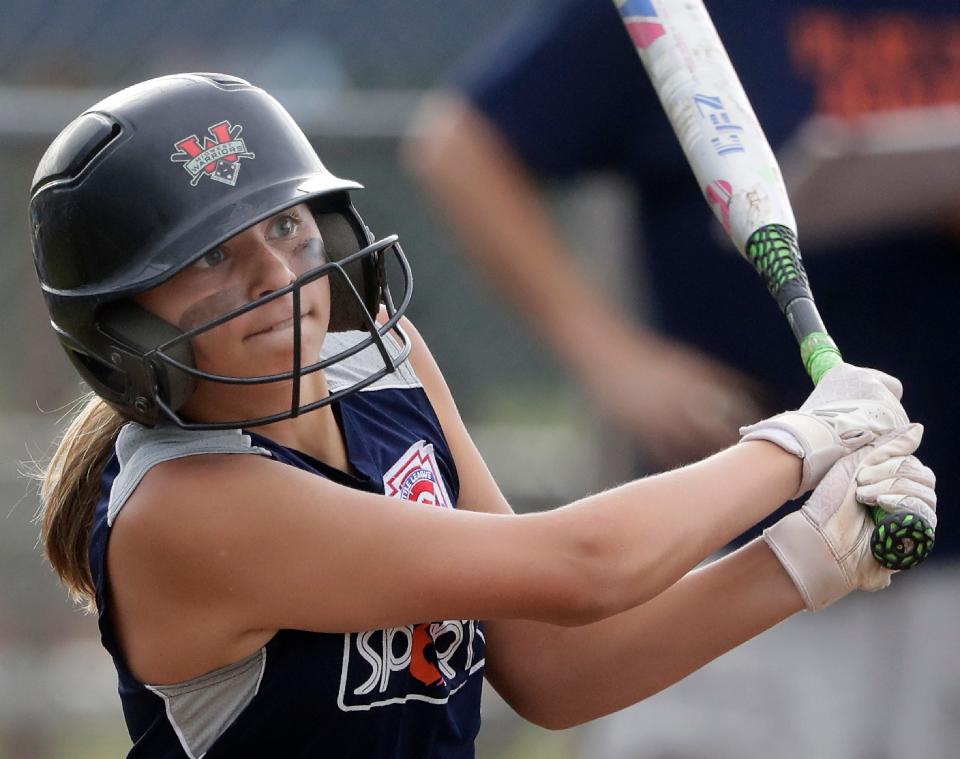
{"points": [[217, 157]]}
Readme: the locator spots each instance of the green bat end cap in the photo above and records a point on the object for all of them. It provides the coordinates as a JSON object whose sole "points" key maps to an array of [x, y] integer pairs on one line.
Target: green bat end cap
{"points": [[901, 541]]}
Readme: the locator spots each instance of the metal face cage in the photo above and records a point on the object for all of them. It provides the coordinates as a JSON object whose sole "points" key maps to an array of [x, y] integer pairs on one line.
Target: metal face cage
{"points": [[174, 354]]}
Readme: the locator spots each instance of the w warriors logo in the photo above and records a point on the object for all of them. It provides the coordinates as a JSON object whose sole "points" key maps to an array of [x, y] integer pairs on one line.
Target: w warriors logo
{"points": [[217, 158]]}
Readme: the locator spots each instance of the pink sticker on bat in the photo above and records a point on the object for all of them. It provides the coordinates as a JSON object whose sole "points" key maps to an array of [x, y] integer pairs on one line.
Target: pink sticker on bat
{"points": [[644, 33], [720, 192]]}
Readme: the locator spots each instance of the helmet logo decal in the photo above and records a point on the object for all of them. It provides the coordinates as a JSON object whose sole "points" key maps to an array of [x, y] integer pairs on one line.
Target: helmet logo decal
{"points": [[217, 158]]}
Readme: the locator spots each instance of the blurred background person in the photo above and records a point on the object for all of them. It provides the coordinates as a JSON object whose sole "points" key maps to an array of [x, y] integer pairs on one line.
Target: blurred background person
{"points": [[560, 97]]}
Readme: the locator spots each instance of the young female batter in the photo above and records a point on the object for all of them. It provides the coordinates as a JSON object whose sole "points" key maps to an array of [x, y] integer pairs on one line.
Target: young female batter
{"points": [[279, 517]]}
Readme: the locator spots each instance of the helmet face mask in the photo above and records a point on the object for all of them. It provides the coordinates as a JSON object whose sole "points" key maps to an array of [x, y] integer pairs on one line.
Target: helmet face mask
{"points": [[173, 370], [113, 249]]}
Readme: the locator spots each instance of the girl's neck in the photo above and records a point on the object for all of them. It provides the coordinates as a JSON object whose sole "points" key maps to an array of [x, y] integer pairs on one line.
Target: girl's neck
{"points": [[316, 433]]}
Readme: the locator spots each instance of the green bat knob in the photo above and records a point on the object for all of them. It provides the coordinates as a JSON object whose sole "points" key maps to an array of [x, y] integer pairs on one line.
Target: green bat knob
{"points": [[900, 541]]}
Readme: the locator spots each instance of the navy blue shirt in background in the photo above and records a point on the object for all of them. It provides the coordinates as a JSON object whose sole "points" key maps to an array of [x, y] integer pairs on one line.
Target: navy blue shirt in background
{"points": [[569, 94]]}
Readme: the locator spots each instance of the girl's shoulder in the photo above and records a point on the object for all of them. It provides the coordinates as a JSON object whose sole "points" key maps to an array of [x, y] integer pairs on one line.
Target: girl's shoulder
{"points": [[140, 449]]}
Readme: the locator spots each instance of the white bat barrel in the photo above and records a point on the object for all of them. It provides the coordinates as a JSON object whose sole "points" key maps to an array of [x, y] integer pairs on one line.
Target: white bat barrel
{"points": [[710, 113], [740, 178]]}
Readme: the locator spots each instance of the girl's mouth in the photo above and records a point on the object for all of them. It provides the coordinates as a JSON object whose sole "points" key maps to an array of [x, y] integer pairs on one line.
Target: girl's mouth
{"points": [[280, 326]]}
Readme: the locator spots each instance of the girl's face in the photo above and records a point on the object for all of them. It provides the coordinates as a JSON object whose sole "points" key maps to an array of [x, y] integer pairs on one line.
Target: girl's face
{"points": [[259, 260]]}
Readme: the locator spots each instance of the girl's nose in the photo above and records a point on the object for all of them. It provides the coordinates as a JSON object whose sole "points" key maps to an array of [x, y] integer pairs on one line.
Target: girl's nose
{"points": [[272, 270]]}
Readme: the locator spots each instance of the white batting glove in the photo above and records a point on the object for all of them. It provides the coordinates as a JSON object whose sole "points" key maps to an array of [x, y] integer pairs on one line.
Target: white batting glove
{"points": [[825, 546], [850, 408]]}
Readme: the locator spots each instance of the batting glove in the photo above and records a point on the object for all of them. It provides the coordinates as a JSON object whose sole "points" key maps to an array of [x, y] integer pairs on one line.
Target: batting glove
{"points": [[850, 408], [825, 546]]}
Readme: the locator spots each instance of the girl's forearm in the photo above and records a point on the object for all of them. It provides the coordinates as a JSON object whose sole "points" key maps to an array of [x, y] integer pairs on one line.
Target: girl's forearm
{"points": [[572, 675], [638, 539]]}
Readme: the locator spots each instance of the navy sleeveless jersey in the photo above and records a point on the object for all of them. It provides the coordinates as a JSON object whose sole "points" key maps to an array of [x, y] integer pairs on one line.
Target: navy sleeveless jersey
{"points": [[412, 691]]}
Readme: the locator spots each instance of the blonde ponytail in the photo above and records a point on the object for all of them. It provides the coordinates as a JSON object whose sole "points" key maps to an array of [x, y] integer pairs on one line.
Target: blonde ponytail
{"points": [[69, 491]]}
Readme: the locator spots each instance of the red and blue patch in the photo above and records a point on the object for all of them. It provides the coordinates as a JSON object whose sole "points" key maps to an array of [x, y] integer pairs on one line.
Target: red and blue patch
{"points": [[416, 477], [640, 18]]}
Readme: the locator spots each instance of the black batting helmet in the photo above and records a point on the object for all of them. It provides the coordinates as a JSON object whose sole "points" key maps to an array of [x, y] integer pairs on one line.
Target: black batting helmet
{"points": [[150, 179]]}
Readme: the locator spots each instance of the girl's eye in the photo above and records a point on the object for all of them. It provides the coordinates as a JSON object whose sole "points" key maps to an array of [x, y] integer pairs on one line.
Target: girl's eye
{"points": [[285, 226], [211, 259]]}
